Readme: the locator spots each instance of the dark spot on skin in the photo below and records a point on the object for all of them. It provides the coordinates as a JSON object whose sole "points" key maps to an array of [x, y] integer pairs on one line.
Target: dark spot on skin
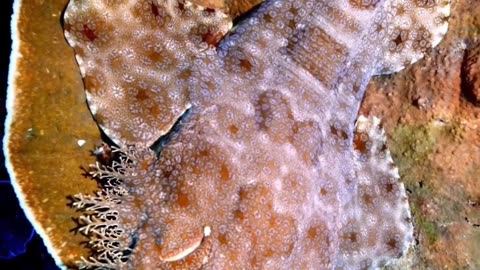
{"points": [[312, 233], [89, 33], [352, 236], [359, 144], [294, 11], [389, 187], [379, 27], [68, 27], [183, 200], [222, 238], [292, 25], [401, 10], [142, 95], [367, 199], [233, 129], [339, 133], [398, 40], [155, 10], [392, 244], [246, 65], [268, 18], [356, 87], [224, 173]]}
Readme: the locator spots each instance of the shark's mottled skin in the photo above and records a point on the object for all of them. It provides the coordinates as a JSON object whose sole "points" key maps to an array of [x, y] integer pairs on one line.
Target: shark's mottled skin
{"points": [[266, 171]]}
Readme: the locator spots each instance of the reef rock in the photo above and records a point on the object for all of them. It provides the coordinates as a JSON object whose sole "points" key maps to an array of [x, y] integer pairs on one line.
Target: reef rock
{"points": [[471, 74]]}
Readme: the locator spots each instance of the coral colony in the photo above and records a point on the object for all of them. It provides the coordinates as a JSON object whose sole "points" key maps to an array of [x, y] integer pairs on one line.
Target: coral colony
{"points": [[264, 166]]}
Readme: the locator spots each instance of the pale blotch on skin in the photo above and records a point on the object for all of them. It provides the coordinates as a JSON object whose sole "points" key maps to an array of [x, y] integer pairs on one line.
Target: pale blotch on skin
{"points": [[267, 170]]}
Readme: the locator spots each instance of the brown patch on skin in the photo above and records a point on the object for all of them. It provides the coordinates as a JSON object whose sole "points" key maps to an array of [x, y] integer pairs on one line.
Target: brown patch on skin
{"points": [[356, 87], [210, 10], [233, 129], [246, 65], [401, 10], [312, 233], [291, 24], [224, 173], [222, 238], [268, 18], [389, 187], [92, 84], [185, 74], [350, 236], [157, 57], [379, 27], [142, 95], [367, 199], [392, 244], [338, 133], [293, 10], [212, 39], [89, 33], [155, 110], [183, 200], [239, 215], [42, 145], [157, 17], [257, 224], [359, 144], [67, 27]]}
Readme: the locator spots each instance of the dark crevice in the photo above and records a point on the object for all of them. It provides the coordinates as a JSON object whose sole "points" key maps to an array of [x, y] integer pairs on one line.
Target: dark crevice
{"points": [[248, 14], [467, 88], [104, 136], [158, 145], [126, 253]]}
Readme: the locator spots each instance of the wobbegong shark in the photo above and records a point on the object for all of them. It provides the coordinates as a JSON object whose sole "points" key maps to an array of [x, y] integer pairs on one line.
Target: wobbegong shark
{"points": [[239, 146]]}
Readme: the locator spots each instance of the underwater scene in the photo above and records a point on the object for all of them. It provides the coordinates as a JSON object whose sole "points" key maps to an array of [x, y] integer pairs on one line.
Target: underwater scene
{"points": [[241, 134]]}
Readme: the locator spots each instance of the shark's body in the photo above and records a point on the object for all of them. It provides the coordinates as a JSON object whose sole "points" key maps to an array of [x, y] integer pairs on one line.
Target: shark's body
{"points": [[267, 170]]}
